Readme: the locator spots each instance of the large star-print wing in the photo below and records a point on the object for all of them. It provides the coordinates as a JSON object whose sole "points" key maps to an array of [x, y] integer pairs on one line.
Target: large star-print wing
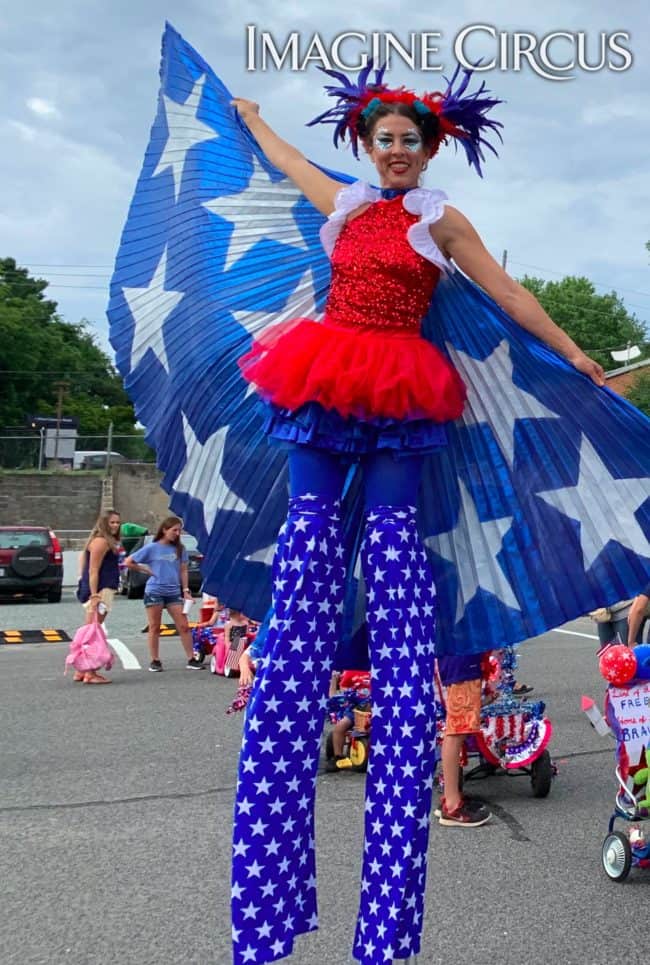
{"points": [[538, 510], [216, 245]]}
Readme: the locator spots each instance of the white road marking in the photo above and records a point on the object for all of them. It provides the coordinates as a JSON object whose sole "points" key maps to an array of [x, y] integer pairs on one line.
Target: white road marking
{"points": [[574, 633], [129, 659]]}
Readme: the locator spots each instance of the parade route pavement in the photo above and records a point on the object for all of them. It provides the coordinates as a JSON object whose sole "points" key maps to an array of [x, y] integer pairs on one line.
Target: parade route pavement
{"points": [[116, 804]]}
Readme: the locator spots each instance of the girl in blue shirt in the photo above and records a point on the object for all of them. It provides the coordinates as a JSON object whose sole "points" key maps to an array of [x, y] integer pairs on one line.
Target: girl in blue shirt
{"points": [[165, 562]]}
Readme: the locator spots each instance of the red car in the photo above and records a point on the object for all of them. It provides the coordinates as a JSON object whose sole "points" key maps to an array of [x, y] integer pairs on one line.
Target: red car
{"points": [[31, 562]]}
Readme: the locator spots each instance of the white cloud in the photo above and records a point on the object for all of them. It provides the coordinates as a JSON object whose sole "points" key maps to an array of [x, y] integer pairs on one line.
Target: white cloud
{"points": [[568, 192], [42, 107]]}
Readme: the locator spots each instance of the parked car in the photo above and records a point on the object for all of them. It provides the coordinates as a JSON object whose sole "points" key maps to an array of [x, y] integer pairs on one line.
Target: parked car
{"points": [[132, 581], [94, 459], [31, 562]]}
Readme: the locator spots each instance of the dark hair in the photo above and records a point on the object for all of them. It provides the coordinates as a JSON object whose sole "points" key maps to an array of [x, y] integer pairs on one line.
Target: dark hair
{"points": [[428, 124], [167, 524]]}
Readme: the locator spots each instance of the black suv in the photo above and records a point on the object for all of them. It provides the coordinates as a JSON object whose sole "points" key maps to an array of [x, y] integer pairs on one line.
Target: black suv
{"points": [[31, 562], [132, 581]]}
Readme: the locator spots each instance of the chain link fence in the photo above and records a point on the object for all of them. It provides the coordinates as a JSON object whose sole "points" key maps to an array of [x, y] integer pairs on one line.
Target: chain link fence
{"points": [[39, 452]]}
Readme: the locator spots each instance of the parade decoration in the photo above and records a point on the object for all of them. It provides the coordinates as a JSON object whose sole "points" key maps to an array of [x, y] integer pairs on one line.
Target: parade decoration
{"points": [[618, 665], [642, 656]]}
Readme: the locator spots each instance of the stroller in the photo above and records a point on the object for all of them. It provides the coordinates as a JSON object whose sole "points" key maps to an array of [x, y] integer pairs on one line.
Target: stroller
{"points": [[627, 711]]}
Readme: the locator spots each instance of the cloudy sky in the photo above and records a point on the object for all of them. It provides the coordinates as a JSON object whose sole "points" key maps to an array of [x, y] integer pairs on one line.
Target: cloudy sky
{"points": [[569, 195]]}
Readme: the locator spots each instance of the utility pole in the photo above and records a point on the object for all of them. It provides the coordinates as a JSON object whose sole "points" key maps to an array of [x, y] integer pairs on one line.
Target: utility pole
{"points": [[109, 446], [61, 389], [504, 259]]}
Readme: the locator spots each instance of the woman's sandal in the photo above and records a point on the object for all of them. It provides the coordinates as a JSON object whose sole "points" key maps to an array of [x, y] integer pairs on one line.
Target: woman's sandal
{"points": [[79, 676], [95, 678]]}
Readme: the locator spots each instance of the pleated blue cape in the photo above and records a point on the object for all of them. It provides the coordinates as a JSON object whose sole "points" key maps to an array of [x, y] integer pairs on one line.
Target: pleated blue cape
{"points": [[537, 511]]}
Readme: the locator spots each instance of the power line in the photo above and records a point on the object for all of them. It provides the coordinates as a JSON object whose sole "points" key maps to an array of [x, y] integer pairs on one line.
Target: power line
{"points": [[574, 306], [551, 271], [563, 274]]}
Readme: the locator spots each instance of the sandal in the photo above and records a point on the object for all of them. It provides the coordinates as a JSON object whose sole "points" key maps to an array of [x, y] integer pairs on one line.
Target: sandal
{"points": [[95, 678], [79, 676], [521, 690]]}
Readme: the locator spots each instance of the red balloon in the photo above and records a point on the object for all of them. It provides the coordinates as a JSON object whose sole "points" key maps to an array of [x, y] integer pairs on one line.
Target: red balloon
{"points": [[618, 665]]}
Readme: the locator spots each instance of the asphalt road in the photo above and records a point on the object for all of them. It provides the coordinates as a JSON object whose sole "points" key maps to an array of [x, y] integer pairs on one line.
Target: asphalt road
{"points": [[115, 816]]}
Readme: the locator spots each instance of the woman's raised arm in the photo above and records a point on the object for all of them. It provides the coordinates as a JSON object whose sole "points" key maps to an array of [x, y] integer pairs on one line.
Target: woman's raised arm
{"points": [[320, 189], [458, 239]]}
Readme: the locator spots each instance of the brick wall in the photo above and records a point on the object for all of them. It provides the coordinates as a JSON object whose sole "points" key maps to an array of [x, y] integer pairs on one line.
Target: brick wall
{"points": [[137, 494], [69, 502], [622, 383], [64, 501]]}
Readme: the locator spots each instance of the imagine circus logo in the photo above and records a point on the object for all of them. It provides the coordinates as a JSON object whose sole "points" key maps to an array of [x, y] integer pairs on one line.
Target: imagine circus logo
{"points": [[555, 56]]}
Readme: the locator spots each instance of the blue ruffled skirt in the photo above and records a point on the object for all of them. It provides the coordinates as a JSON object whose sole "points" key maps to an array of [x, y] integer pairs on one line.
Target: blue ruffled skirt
{"points": [[312, 425]]}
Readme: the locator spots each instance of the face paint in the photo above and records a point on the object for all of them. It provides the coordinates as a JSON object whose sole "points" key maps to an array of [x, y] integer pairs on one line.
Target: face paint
{"points": [[411, 140], [383, 139]]}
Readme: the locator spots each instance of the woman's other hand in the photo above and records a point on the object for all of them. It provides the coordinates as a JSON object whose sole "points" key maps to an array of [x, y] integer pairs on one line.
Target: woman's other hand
{"points": [[584, 364]]}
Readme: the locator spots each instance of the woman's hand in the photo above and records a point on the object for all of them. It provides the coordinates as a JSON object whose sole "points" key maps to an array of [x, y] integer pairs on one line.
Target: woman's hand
{"points": [[246, 109], [584, 364]]}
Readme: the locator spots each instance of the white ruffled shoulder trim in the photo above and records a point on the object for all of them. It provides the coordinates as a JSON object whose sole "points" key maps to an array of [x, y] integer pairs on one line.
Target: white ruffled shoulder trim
{"points": [[430, 205], [347, 200]]}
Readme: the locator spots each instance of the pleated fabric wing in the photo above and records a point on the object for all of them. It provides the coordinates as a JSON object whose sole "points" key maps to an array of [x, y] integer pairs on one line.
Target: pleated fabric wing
{"points": [[538, 510], [216, 243]]}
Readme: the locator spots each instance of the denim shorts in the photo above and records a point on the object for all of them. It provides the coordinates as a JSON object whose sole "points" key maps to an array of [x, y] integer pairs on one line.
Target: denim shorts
{"points": [[159, 599]]}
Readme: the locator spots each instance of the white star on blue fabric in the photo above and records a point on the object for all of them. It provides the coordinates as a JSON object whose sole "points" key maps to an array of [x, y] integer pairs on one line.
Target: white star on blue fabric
{"points": [[201, 474], [478, 568], [151, 307], [610, 518], [514, 403], [249, 229], [185, 130]]}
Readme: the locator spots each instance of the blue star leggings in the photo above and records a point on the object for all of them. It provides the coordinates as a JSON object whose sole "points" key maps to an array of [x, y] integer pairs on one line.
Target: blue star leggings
{"points": [[274, 870]]}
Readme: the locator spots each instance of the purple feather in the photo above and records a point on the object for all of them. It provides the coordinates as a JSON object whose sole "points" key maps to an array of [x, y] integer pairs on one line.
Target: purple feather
{"points": [[348, 95], [468, 113]]}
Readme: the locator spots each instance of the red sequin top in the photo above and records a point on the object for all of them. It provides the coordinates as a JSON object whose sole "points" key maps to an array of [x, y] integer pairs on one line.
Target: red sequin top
{"points": [[378, 280], [367, 358]]}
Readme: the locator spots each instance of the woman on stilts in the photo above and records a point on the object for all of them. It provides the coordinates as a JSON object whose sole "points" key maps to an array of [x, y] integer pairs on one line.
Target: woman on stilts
{"points": [[362, 386]]}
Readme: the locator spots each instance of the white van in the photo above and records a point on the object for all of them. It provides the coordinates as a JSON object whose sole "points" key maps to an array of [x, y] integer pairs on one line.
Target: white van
{"points": [[94, 458]]}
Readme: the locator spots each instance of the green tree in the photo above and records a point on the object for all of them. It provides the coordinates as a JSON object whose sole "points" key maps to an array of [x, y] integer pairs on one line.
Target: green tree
{"points": [[39, 349], [639, 393], [597, 323]]}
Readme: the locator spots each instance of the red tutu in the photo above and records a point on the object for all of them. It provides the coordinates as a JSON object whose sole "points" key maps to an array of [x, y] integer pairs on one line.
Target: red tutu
{"points": [[364, 372]]}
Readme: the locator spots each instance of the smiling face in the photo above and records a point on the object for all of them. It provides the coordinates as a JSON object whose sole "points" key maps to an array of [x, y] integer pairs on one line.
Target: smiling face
{"points": [[396, 149]]}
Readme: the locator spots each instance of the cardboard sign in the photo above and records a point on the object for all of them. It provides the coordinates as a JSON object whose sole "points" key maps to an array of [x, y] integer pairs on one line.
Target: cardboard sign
{"points": [[630, 706]]}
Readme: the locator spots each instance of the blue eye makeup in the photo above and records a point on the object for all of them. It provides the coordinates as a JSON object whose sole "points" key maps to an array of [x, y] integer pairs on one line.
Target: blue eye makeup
{"points": [[383, 140]]}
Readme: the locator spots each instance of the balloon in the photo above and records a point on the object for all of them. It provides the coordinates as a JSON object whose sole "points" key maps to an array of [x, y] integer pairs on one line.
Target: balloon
{"points": [[642, 654], [618, 665]]}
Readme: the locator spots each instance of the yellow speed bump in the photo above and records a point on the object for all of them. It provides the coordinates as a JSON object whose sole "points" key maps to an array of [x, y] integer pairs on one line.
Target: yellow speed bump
{"points": [[34, 636]]}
